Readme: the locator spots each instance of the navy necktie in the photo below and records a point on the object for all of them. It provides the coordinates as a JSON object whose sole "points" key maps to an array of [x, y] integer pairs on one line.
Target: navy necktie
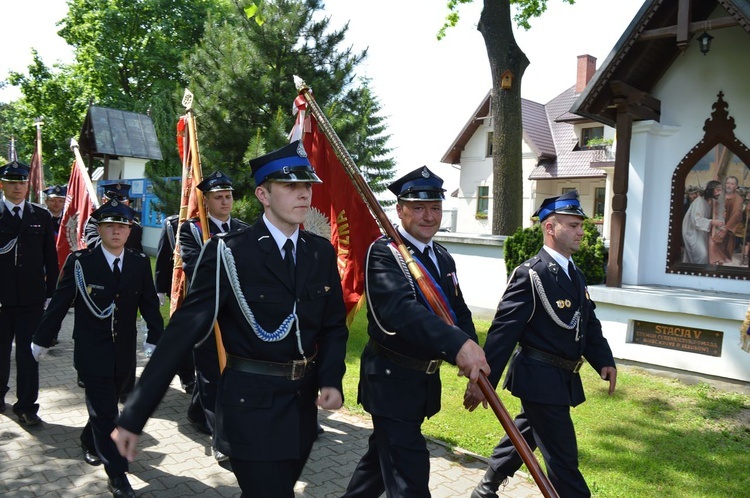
{"points": [[429, 264], [116, 270], [289, 257], [573, 274], [225, 227], [17, 215]]}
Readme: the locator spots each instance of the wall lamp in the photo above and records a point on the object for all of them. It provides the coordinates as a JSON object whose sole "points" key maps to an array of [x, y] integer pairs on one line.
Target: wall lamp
{"points": [[704, 42]]}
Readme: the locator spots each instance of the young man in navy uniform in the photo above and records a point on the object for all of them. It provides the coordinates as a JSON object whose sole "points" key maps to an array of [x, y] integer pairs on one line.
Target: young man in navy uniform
{"points": [[55, 201], [400, 376], [28, 265], [108, 284], [218, 198], [545, 311], [119, 192], [275, 291]]}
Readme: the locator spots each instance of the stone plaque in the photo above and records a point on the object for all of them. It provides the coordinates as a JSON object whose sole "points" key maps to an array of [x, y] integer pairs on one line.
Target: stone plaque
{"points": [[681, 338]]}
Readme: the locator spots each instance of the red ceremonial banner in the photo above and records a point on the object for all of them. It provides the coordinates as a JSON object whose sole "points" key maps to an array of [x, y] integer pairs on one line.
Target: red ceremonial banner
{"points": [[337, 209], [77, 210], [188, 209]]}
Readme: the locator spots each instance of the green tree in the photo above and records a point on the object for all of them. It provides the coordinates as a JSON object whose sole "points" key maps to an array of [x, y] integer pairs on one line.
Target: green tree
{"points": [[58, 97], [504, 54], [242, 78]]}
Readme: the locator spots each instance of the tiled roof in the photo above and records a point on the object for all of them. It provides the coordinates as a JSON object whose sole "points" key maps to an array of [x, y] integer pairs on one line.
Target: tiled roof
{"points": [[549, 132], [567, 162]]}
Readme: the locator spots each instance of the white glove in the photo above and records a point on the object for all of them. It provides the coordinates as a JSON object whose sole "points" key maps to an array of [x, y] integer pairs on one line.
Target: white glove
{"points": [[148, 349], [46, 302], [38, 351], [160, 295]]}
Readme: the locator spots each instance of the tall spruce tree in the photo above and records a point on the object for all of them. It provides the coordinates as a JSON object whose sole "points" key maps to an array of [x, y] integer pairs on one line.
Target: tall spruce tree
{"points": [[242, 78]]}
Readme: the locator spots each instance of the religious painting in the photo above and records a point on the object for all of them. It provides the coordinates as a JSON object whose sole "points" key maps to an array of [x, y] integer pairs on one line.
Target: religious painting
{"points": [[711, 204]]}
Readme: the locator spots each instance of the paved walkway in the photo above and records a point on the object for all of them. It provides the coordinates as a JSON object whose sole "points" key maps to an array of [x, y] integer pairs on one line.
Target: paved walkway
{"points": [[175, 460]]}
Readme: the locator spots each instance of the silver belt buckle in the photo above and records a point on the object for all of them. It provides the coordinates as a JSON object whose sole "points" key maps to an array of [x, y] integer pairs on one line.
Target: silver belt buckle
{"points": [[433, 366], [579, 364], [298, 369]]}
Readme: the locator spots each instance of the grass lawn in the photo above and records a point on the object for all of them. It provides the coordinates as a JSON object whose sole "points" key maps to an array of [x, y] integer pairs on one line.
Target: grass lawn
{"points": [[655, 438]]}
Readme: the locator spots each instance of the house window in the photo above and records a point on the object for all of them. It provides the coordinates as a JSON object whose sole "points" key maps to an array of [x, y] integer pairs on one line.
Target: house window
{"points": [[489, 144], [483, 201], [588, 134], [599, 202], [565, 190]]}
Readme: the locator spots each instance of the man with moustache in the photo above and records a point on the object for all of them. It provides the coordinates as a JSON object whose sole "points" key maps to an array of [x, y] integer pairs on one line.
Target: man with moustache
{"points": [[275, 292], [400, 366]]}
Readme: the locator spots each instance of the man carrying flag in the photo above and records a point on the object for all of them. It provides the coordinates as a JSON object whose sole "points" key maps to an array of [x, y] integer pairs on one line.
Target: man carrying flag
{"points": [[400, 367]]}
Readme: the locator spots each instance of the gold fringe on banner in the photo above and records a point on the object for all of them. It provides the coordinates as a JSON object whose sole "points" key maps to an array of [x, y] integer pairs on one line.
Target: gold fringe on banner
{"points": [[744, 335]]}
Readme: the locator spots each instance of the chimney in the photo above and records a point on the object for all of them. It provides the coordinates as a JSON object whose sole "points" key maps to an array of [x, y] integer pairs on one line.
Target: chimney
{"points": [[586, 69]]}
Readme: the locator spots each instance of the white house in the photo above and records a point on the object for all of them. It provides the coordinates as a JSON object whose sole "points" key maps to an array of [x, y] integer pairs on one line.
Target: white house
{"points": [[681, 111], [557, 156]]}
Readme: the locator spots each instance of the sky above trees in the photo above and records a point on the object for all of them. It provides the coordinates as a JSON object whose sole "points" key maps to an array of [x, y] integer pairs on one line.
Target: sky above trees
{"points": [[427, 88]]}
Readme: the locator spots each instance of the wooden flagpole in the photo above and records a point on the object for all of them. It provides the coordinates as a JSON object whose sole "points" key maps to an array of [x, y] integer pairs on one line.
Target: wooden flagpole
{"points": [[367, 195]]}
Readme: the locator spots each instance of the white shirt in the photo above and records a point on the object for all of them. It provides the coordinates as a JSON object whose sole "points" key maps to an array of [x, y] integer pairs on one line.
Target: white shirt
{"points": [[218, 222], [111, 258], [561, 260], [9, 206], [280, 238], [420, 245]]}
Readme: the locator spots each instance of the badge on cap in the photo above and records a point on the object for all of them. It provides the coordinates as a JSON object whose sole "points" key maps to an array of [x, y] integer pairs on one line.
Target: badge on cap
{"points": [[301, 152]]}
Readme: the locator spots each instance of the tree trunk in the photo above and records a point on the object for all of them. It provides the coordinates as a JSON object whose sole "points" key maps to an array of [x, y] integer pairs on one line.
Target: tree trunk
{"points": [[507, 171]]}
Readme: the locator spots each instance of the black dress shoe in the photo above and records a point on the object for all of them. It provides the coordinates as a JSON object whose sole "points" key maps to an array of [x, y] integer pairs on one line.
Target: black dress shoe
{"points": [[188, 387], [120, 487], [2, 405], [90, 457], [320, 429], [200, 426], [80, 382], [29, 419]]}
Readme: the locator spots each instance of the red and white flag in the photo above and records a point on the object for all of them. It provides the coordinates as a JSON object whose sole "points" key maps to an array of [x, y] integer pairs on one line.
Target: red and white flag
{"points": [[338, 212], [188, 209], [78, 208]]}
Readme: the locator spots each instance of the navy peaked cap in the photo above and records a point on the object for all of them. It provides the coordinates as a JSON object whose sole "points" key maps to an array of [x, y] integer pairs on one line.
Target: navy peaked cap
{"points": [[418, 185], [287, 164], [214, 182], [15, 172], [56, 191], [114, 211], [566, 203], [119, 191]]}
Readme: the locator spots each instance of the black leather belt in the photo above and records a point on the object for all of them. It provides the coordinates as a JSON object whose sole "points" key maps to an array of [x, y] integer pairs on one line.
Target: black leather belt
{"points": [[426, 366], [294, 370], [535, 354]]}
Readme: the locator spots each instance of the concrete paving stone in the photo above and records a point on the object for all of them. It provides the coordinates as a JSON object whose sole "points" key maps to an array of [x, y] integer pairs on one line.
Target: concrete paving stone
{"points": [[175, 460]]}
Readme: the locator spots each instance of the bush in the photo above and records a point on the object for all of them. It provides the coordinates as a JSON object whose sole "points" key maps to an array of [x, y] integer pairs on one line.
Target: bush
{"points": [[526, 242]]}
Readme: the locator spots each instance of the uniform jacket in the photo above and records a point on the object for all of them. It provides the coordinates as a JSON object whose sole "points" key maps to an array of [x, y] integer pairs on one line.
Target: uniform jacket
{"points": [[522, 319], [165, 255], [29, 269], [389, 389], [96, 351], [191, 242], [259, 417], [134, 242]]}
